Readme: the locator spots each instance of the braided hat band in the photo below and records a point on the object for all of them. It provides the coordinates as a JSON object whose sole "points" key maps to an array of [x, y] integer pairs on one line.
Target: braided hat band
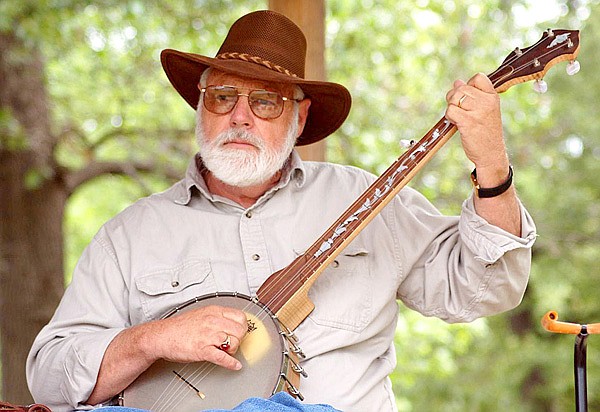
{"points": [[255, 59]]}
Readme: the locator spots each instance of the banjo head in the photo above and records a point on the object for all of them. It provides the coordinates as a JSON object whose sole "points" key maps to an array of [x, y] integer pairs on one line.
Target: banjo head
{"points": [[169, 386]]}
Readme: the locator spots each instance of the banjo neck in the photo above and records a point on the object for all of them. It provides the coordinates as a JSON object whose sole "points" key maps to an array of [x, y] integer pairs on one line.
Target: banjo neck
{"points": [[285, 292]]}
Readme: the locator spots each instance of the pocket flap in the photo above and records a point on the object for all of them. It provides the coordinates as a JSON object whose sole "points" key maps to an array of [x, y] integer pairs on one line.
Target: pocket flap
{"points": [[175, 279]]}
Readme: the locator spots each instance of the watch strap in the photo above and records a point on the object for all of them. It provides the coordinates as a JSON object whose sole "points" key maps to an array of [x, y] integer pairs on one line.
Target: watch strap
{"points": [[492, 191]]}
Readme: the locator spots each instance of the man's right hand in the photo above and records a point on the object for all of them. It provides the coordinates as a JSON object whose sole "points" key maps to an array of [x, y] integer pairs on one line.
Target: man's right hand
{"points": [[192, 336], [197, 335]]}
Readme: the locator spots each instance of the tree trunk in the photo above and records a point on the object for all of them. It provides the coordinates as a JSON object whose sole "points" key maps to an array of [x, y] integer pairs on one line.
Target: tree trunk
{"points": [[31, 265], [309, 15], [32, 201]]}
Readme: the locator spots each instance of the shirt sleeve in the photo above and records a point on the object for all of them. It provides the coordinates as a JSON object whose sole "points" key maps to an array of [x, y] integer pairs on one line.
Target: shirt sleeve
{"points": [[65, 358], [459, 268]]}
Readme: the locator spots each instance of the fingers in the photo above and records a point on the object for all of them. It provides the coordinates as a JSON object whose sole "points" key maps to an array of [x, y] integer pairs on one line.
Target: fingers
{"points": [[222, 351], [234, 328], [465, 95], [459, 94], [474, 107], [235, 325], [230, 343], [210, 333], [234, 315], [221, 358], [482, 82], [225, 326]]}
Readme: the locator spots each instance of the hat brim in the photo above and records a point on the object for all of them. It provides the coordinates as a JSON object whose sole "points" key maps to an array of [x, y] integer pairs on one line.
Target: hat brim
{"points": [[330, 102]]}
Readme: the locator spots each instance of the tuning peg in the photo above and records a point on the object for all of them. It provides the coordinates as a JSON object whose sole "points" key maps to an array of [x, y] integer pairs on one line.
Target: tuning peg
{"points": [[540, 86], [573, 68]]}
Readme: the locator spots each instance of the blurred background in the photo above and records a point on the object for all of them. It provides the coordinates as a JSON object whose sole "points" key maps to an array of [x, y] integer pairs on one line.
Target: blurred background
{"points": [[89, 123]]}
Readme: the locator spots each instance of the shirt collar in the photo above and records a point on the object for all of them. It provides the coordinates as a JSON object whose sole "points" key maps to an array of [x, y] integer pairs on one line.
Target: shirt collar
{"points": [[293, 170]]}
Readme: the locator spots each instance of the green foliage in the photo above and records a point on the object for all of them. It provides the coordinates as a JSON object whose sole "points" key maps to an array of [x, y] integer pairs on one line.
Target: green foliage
{"points": [[111, 101], [109, 96], [95, 203], [12, 136]]}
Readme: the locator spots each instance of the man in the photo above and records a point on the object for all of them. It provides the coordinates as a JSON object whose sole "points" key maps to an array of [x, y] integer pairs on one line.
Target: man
{"points": [[248, 206]]}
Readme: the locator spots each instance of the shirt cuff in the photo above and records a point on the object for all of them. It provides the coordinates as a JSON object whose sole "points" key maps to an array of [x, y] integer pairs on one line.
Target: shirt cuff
{"points": [[488, 242], [82, 365]]}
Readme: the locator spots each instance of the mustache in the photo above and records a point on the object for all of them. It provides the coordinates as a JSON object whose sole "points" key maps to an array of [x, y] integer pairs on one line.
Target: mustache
{"points": [[237, 135]]}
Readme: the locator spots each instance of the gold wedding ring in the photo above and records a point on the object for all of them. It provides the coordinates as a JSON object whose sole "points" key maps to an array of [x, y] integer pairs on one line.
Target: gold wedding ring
{"points": [[461, 100]]}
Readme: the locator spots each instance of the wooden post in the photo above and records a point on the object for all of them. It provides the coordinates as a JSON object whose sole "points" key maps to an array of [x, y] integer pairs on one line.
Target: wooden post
{"points": [[309, 15]]}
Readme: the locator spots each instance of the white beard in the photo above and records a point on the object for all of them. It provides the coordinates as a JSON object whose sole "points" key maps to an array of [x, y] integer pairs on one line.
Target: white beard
{"points": [[239, 167]]}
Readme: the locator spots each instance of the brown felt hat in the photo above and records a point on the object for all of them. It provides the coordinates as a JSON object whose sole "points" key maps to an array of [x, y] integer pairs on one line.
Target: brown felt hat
{"points": [[264, 45]]}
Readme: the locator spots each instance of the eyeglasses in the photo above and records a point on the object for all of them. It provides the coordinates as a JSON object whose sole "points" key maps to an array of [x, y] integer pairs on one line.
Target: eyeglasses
{"points": [[263, 103]]}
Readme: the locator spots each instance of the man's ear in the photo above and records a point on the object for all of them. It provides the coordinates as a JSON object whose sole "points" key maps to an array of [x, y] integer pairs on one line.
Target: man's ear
{"points": [[303, 107]]}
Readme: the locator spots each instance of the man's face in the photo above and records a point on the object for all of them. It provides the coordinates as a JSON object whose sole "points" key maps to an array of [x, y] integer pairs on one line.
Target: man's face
{"points": [[240, 148]]}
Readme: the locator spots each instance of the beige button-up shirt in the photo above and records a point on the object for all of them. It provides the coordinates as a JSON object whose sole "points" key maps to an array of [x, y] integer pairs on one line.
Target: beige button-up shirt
{"points": [[185, 242]]}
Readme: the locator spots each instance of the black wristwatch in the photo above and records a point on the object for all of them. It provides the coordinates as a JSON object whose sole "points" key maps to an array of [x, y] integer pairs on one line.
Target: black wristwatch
{"points": [[492, 191]]}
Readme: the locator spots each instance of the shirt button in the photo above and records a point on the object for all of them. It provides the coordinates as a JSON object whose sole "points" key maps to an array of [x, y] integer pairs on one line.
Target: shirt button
{"points": [[174, 283], [255, 257], [249, 214], [335, 264]]}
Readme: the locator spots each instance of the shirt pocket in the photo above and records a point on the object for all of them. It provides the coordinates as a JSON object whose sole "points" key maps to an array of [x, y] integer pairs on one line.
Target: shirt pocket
{"points": [[165, 288], [343, 293]]}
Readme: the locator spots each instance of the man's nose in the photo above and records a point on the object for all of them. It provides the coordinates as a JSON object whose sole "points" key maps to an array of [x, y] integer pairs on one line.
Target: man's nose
{"points": [[241, 115]]}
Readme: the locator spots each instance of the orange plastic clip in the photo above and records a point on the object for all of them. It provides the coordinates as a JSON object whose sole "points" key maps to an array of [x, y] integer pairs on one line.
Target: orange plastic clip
{"points": [[551, 324]]}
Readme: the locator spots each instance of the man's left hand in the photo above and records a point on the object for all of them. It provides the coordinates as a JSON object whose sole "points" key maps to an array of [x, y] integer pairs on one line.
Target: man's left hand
{"points": [[474, 107]]}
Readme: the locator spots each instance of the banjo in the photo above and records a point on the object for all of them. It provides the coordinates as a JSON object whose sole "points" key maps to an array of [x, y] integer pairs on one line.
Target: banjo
{"points": [[269, 353]]}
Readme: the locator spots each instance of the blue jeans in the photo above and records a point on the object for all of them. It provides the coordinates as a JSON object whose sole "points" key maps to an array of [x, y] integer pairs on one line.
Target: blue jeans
{"points": [[280, 402]]}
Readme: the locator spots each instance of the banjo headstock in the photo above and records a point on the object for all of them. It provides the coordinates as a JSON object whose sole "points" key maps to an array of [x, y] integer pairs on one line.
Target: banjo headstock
{"points": [[532, 63]]}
